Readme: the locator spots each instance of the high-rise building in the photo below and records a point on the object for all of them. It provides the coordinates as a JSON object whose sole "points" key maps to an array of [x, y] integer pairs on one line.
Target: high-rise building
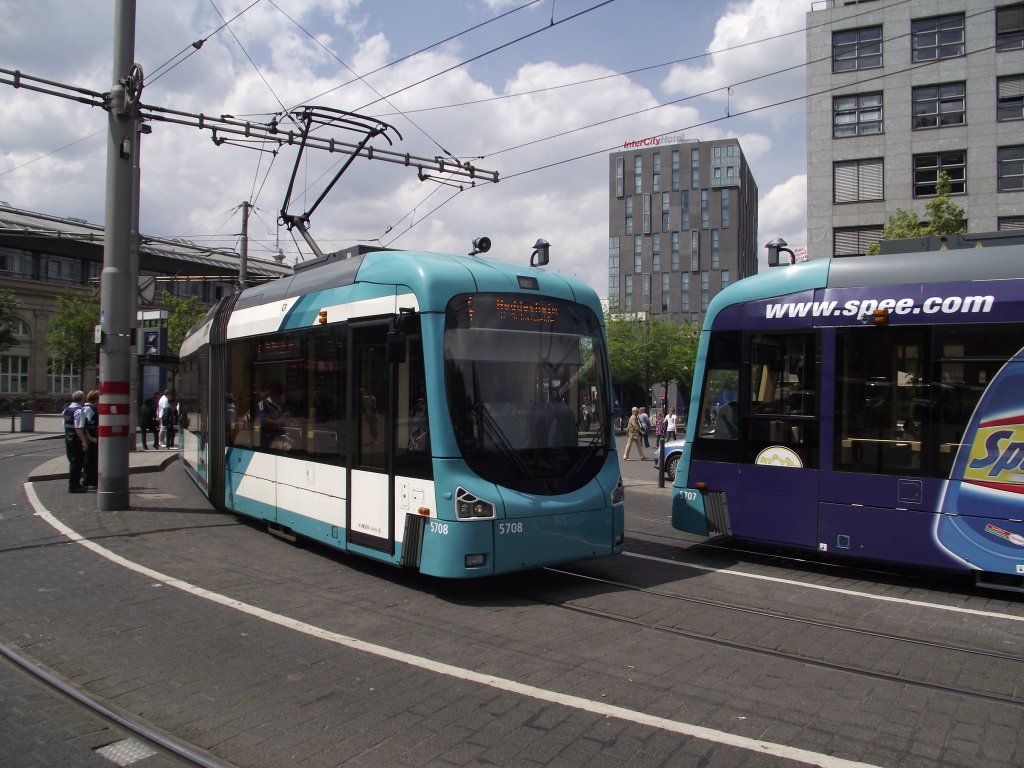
{"points": [[682, 225], [899, 92]]}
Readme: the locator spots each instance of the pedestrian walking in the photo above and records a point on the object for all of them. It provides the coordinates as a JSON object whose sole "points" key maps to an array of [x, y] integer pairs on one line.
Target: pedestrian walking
{"points": [[147, 424], [633, 435], [670, 425], [161, 404], [169, 422], [74, 440], [645, 426]]}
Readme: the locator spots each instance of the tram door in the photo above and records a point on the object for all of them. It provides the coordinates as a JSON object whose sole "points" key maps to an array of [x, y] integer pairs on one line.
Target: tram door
{"points": [[371, 473]]}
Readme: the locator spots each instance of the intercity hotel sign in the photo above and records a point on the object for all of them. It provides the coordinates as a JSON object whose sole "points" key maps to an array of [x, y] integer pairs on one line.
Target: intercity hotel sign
{"points": [[655, 141]]}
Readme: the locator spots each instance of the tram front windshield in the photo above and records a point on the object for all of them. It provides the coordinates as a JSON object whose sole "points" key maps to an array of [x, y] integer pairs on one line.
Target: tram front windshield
{"points": [[526, 390]]}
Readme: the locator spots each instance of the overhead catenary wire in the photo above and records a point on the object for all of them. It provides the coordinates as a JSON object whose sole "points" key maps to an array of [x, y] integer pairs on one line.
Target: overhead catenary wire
{"points": [[192, 48]]}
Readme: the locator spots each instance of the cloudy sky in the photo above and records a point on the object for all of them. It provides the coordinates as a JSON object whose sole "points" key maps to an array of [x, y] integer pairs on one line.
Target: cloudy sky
{"points": [[539, 91]]}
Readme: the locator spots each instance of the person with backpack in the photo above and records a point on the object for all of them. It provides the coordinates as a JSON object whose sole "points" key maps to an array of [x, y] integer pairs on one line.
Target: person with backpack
{"points": [[75, 440], [91, 412]]}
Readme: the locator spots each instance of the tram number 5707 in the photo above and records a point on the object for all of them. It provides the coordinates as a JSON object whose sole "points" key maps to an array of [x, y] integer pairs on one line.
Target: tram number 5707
{"points": [[505, 528]]}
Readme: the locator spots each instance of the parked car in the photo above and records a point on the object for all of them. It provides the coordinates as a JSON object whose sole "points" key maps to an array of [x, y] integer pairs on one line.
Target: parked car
{"points": [[670, 454]]}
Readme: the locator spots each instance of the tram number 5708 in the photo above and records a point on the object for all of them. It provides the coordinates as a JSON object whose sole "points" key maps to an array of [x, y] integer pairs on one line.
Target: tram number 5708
{"points": [[505, 528], [441, 528]]}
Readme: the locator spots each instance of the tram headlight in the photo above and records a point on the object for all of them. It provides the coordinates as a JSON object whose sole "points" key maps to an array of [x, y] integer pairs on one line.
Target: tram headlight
{"points": [[470, 507], [619, 494]]}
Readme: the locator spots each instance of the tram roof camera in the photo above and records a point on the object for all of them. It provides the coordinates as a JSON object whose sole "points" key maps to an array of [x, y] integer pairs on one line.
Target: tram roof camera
{"points": [[481, 245], [776, 246], [540, 253]]}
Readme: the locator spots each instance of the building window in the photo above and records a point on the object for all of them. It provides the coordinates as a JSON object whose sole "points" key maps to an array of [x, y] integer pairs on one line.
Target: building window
{"points": [[941, 37], [666, 208], [857, 115], [1010, 172], [656, 170], [854, 241], [647, 214], [1010, 98], [638, 174], [647, 290], [666, 290], [1010, 27], [638, 254], [684, 292], [695, 250], [613, 271], [695, 167], [675, 169], [628, 298], [61, 377], [855, 181], [629, 215], [685, 219], [675, 251], [725, 209], [854, 49], [14, 374], [620, 176], [705, 218], [726, 279], [714, 249], [16, 262], [61, 269], [936, 106], [928, 167], [656, 252], [1011, 223], [705, 290]]}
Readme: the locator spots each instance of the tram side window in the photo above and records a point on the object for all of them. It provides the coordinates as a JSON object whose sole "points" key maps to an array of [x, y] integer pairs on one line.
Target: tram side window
{"points": [[325, 416], [968, 359], [239, 404], [279, 394], [412, 431], [782, 397], [880, 386], [718, 430]]}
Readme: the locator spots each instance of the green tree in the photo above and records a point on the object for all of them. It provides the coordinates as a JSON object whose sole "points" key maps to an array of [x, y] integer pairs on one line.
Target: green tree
{"points": [[182, 315], [71, 332], [654, 350], [8, 322], [943, 217]]}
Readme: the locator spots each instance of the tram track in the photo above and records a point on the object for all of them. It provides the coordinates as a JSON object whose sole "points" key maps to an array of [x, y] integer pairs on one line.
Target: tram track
{"points": [[172, 747], [761, 556], [986, 658]]}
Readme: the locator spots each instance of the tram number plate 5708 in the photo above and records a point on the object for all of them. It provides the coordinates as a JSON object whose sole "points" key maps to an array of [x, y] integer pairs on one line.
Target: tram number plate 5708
{"points": [[441, 528], [504, 528]]}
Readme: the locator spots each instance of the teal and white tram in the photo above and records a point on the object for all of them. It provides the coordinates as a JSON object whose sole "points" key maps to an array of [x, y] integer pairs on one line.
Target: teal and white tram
{"points": [[448, 414]]}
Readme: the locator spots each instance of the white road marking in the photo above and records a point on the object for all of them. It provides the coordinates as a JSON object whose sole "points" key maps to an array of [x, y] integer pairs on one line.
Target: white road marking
{"points": [[430, 665], [838, 590]]}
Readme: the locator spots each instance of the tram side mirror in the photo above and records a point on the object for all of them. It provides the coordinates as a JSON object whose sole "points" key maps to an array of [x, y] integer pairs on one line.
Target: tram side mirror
{"points": [[540, 253]]}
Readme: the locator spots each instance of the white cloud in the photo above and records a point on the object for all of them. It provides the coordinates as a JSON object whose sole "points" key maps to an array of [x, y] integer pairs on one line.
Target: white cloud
{"points": [[739, 55], [782, 212], [190, 186]]}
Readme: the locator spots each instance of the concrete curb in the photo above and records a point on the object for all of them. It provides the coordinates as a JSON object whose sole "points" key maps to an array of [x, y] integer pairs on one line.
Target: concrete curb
{"points": [[57, 469]]}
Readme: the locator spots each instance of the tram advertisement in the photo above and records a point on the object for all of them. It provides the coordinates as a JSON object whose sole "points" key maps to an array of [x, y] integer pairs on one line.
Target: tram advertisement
{"points": [[983, 504]]}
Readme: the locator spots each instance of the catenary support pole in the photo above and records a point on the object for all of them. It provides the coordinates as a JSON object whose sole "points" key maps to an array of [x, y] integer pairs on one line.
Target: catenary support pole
{"points": [[115, 280]]}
